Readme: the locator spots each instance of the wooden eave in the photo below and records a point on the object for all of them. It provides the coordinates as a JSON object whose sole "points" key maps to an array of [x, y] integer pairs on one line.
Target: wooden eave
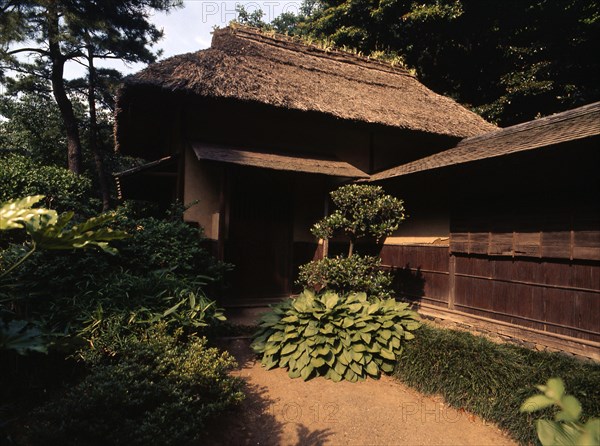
{"points": [[276, 161]]}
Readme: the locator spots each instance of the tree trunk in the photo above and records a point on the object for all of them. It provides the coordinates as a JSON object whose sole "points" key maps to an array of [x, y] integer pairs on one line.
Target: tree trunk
{"points": [[60, 94], [98, 158], [351, 248], [325, 247]]}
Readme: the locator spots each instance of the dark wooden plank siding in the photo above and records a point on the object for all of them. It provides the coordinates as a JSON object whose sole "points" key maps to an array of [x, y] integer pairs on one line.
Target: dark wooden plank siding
{"points": [[549, 242], [555, 296], [559, 297], [421, 272]]}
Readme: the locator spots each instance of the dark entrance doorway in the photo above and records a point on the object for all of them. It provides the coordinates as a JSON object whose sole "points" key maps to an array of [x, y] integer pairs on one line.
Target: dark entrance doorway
{"points": [[259, 241]]}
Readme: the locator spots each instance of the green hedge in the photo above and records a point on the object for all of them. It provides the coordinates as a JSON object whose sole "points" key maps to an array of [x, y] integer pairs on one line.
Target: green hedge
{"points": [[492, 380]]}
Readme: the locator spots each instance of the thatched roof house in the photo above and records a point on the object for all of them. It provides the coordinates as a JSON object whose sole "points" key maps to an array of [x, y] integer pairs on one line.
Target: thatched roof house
{"points": [[259, 128], [247, 65]]}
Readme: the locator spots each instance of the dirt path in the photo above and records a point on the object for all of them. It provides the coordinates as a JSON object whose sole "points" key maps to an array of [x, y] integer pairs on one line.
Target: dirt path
{"points": [[284, 411]]}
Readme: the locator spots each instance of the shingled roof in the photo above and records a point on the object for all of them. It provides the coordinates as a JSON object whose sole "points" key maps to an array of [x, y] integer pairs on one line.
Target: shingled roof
{"points": [[571, 125], [248, 65]]}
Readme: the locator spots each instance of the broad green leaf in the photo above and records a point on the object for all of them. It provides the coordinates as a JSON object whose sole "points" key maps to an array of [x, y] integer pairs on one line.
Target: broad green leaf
{"points": [[327, 329], [269, 362], [306, 372], [359, 347], [348, 322], [571, 409], [350, 375], [385, 334], [340, 368], [375, 348], [373, 308], [303, 361], [283, 361], [535, 403], [311, 330], [555, 389], [330, 300], [591, 433], [317, 362], [372, 369], [355, 308], [356, 368], [387, 354], [334, 376], [356, 356], [387, 367], [18, 213], [552, 433], [288, 348]]}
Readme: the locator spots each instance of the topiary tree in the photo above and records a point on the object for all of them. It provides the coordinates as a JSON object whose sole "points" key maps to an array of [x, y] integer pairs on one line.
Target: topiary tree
{"points": [[361, 211]]}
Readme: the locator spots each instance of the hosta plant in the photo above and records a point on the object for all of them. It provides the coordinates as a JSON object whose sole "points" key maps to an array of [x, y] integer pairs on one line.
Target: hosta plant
{"points": [[338, 337], [566, 429]]}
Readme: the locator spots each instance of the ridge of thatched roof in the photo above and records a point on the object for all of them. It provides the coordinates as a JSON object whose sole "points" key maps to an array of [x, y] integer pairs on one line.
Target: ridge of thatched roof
{"points": [[247, 65], [571, 125]]}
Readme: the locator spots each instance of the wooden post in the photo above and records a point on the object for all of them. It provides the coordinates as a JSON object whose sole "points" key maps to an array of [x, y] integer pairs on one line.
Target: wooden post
{"points": [[223, 213], [451, 281]]}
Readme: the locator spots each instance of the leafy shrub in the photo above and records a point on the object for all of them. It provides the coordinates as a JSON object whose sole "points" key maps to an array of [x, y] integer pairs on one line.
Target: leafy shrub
{"points": [[168, 244], [566, 429], [42, 229], [193, 312], [492, 380], [161, 265], [335, 337], [347, 274], [64, 191], [361, 210], [149, 388]]}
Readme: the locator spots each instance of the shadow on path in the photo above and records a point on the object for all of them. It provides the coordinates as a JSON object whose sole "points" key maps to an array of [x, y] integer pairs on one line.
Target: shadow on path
{"points": [[254, 422]]}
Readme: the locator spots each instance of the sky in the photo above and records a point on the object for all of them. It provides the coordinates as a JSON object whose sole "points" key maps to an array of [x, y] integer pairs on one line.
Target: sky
{"points": [[189, 28]]}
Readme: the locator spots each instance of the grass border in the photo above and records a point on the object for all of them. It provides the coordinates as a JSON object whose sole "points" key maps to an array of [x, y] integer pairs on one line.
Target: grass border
{"points": [[492, 380]]}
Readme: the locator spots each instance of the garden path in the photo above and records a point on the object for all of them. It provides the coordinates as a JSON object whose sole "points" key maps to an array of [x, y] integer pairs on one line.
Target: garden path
{"points": [[284, 411]]}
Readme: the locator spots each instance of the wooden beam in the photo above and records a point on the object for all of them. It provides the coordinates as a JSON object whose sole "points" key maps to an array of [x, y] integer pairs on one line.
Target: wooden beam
{"points": [[452, 282]]}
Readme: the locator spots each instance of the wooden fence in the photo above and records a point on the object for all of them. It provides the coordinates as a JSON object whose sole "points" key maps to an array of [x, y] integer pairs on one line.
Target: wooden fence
{"points": [[555, 296]]}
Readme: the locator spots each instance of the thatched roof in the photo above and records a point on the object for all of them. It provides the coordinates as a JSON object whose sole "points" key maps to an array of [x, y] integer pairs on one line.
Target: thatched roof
{"points": [[571, 125], [248, 65], [277, 161]]}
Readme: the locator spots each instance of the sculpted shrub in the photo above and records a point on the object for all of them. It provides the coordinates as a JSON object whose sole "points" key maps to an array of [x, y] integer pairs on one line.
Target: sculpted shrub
{"points": [[361, 211], [336, 337], [347, 274]]}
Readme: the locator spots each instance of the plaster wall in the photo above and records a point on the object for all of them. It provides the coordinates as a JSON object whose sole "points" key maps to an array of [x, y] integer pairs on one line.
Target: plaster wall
{"points": [[422, 228], [202, 183]]}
